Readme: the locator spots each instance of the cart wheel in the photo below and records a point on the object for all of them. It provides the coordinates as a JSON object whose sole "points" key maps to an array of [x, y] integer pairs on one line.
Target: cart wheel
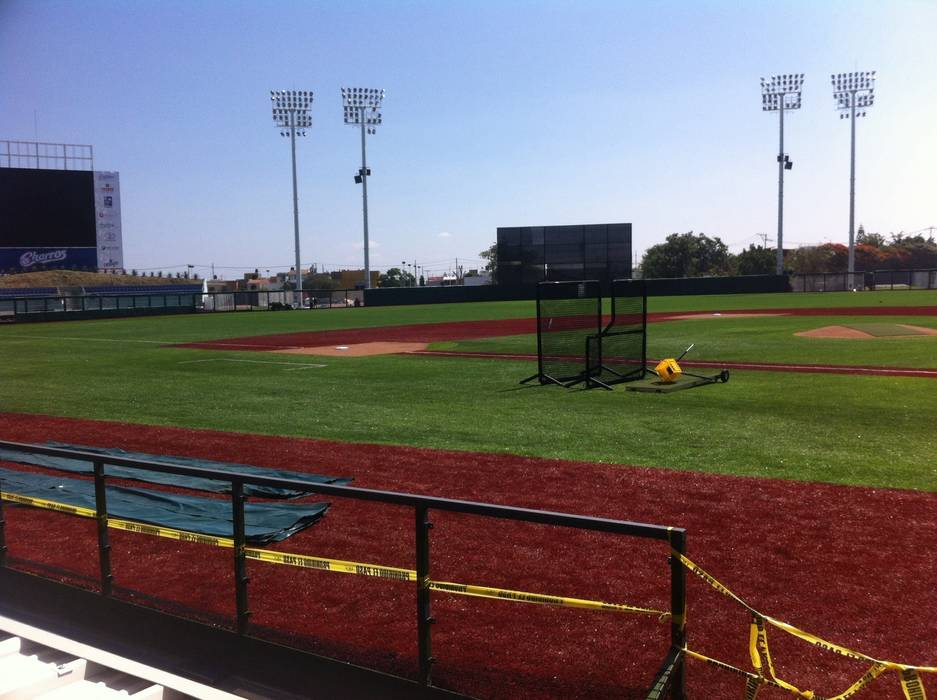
{"points": [[724, 376]]}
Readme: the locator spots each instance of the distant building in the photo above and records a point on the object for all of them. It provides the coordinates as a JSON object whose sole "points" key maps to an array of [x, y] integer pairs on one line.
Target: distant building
{"points": [[474, 278], [447, 280], [351, 279]]}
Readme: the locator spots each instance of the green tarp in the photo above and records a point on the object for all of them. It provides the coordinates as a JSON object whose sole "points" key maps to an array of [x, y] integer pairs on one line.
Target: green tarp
{"points": [[189, 482], [264, 522]]}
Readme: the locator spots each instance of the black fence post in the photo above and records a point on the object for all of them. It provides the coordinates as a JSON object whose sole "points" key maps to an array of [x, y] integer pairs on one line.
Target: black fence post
{"points": [[240, 560], [423, 618], [3, 537], [104, 543], [678, 612]]}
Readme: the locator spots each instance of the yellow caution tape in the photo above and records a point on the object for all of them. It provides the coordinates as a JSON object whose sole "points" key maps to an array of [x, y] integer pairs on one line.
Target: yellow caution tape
{"points": [[758, 649], [169, 533], [336, 565], [50, 505], [911, 685]]}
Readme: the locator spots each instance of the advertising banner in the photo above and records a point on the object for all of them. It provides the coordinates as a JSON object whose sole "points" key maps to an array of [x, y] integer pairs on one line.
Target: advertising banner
{"points": [[110, 250], [32, 259]]}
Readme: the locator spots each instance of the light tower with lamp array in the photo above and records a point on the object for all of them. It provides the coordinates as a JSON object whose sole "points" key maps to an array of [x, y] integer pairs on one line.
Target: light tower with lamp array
{"points": [[778, 94], [854, 93], [362, 108], [291, 116]]}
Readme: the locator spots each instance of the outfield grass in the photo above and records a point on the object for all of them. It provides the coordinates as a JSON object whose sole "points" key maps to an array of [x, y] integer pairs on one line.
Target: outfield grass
{"points": [[761, 339], [190, 328], [854, 430]]}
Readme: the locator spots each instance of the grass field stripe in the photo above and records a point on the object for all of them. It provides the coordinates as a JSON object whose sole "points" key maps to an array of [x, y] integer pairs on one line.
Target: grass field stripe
{"points": [[94, 340], [294, 365]]}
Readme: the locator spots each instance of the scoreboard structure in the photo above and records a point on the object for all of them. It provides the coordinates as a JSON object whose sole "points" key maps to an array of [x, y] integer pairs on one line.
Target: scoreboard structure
{"points": [[531, 254], [56, 211]]}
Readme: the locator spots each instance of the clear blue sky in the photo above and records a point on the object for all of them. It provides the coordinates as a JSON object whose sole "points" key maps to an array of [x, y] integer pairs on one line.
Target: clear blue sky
{"points": [[497, 114]]}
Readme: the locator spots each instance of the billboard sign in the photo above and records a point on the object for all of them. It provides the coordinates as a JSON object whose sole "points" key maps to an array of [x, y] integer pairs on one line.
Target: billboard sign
{"points": [[110, 250], [32, 259]]}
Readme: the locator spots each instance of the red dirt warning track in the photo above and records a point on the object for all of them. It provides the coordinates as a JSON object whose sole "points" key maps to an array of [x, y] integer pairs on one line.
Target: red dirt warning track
{"points": [[465, 330], [757, 366], [852, 565]]}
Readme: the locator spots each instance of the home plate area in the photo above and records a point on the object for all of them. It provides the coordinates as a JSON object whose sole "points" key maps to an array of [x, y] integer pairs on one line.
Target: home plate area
{"points": [[356, 350]]}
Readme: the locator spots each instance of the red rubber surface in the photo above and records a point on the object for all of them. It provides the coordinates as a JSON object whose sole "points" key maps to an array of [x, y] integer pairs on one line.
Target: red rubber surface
{"points": [[852, 565], [464, 330]]}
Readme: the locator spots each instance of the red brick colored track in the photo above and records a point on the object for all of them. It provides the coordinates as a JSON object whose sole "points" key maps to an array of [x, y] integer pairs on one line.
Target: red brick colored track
{"points": [[464, 330], [756, 366], [853, 565]]}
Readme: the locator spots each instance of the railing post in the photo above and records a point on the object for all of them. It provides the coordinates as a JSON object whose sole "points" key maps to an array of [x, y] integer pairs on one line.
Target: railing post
{"points": [[104, 543], [423, 618], [3, 537], [240, 560], [678, 612]]}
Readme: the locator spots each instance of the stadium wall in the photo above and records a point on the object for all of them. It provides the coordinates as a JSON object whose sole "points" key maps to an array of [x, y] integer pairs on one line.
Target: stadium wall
{"points": [[398, 296]]}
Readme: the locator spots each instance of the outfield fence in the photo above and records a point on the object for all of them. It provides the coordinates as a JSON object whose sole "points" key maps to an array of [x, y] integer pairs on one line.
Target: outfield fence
{"points": [[873, 280], [669, 679], [56, 307]]}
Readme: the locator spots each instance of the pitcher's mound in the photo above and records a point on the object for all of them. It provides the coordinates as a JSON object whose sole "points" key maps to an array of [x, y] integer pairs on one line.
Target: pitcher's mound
{"points": [[868, 331], [357, 350]]}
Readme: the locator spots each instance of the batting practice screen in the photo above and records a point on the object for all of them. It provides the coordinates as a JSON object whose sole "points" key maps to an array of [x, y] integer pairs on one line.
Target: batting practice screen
{"points": [[620, 354], [568, 313]]}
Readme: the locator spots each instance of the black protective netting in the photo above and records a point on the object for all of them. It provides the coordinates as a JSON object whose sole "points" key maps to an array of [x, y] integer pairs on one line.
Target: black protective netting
{"points": [[623, 346], [568, 313]]}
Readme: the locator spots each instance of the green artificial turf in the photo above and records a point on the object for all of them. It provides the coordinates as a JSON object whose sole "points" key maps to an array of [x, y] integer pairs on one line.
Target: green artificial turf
{"points": [[844, 429], [885, 330], [759, 339]]}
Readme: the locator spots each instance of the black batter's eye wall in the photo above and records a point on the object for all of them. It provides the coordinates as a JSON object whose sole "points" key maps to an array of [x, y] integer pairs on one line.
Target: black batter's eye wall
{"points": [[46, 208], [531, 254]]}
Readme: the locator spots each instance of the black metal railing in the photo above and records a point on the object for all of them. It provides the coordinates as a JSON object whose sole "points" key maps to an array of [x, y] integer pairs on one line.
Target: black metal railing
{"points": [[49, 307], [669, 677]]}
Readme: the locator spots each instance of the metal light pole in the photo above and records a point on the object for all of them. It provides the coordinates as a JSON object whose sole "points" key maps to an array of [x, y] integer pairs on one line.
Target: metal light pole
{"points": [[362, 107], [854, 93], [291, 116], [778, 94]]}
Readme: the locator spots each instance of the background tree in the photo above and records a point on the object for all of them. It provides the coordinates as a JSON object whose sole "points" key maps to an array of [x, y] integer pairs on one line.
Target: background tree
{"points": [[875, 240], [756, 260], [809, 259], [395, 277], [686, 255], [491, 265]]}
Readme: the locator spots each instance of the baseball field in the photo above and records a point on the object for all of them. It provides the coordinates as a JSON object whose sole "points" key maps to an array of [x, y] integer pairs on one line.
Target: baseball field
{"points": [[807, 484]]}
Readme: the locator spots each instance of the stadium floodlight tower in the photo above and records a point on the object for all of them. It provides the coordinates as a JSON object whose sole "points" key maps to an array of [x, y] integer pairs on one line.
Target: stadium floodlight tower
{"points": [[291, 116], [362, 109], [854, 93], [778, 94]]}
